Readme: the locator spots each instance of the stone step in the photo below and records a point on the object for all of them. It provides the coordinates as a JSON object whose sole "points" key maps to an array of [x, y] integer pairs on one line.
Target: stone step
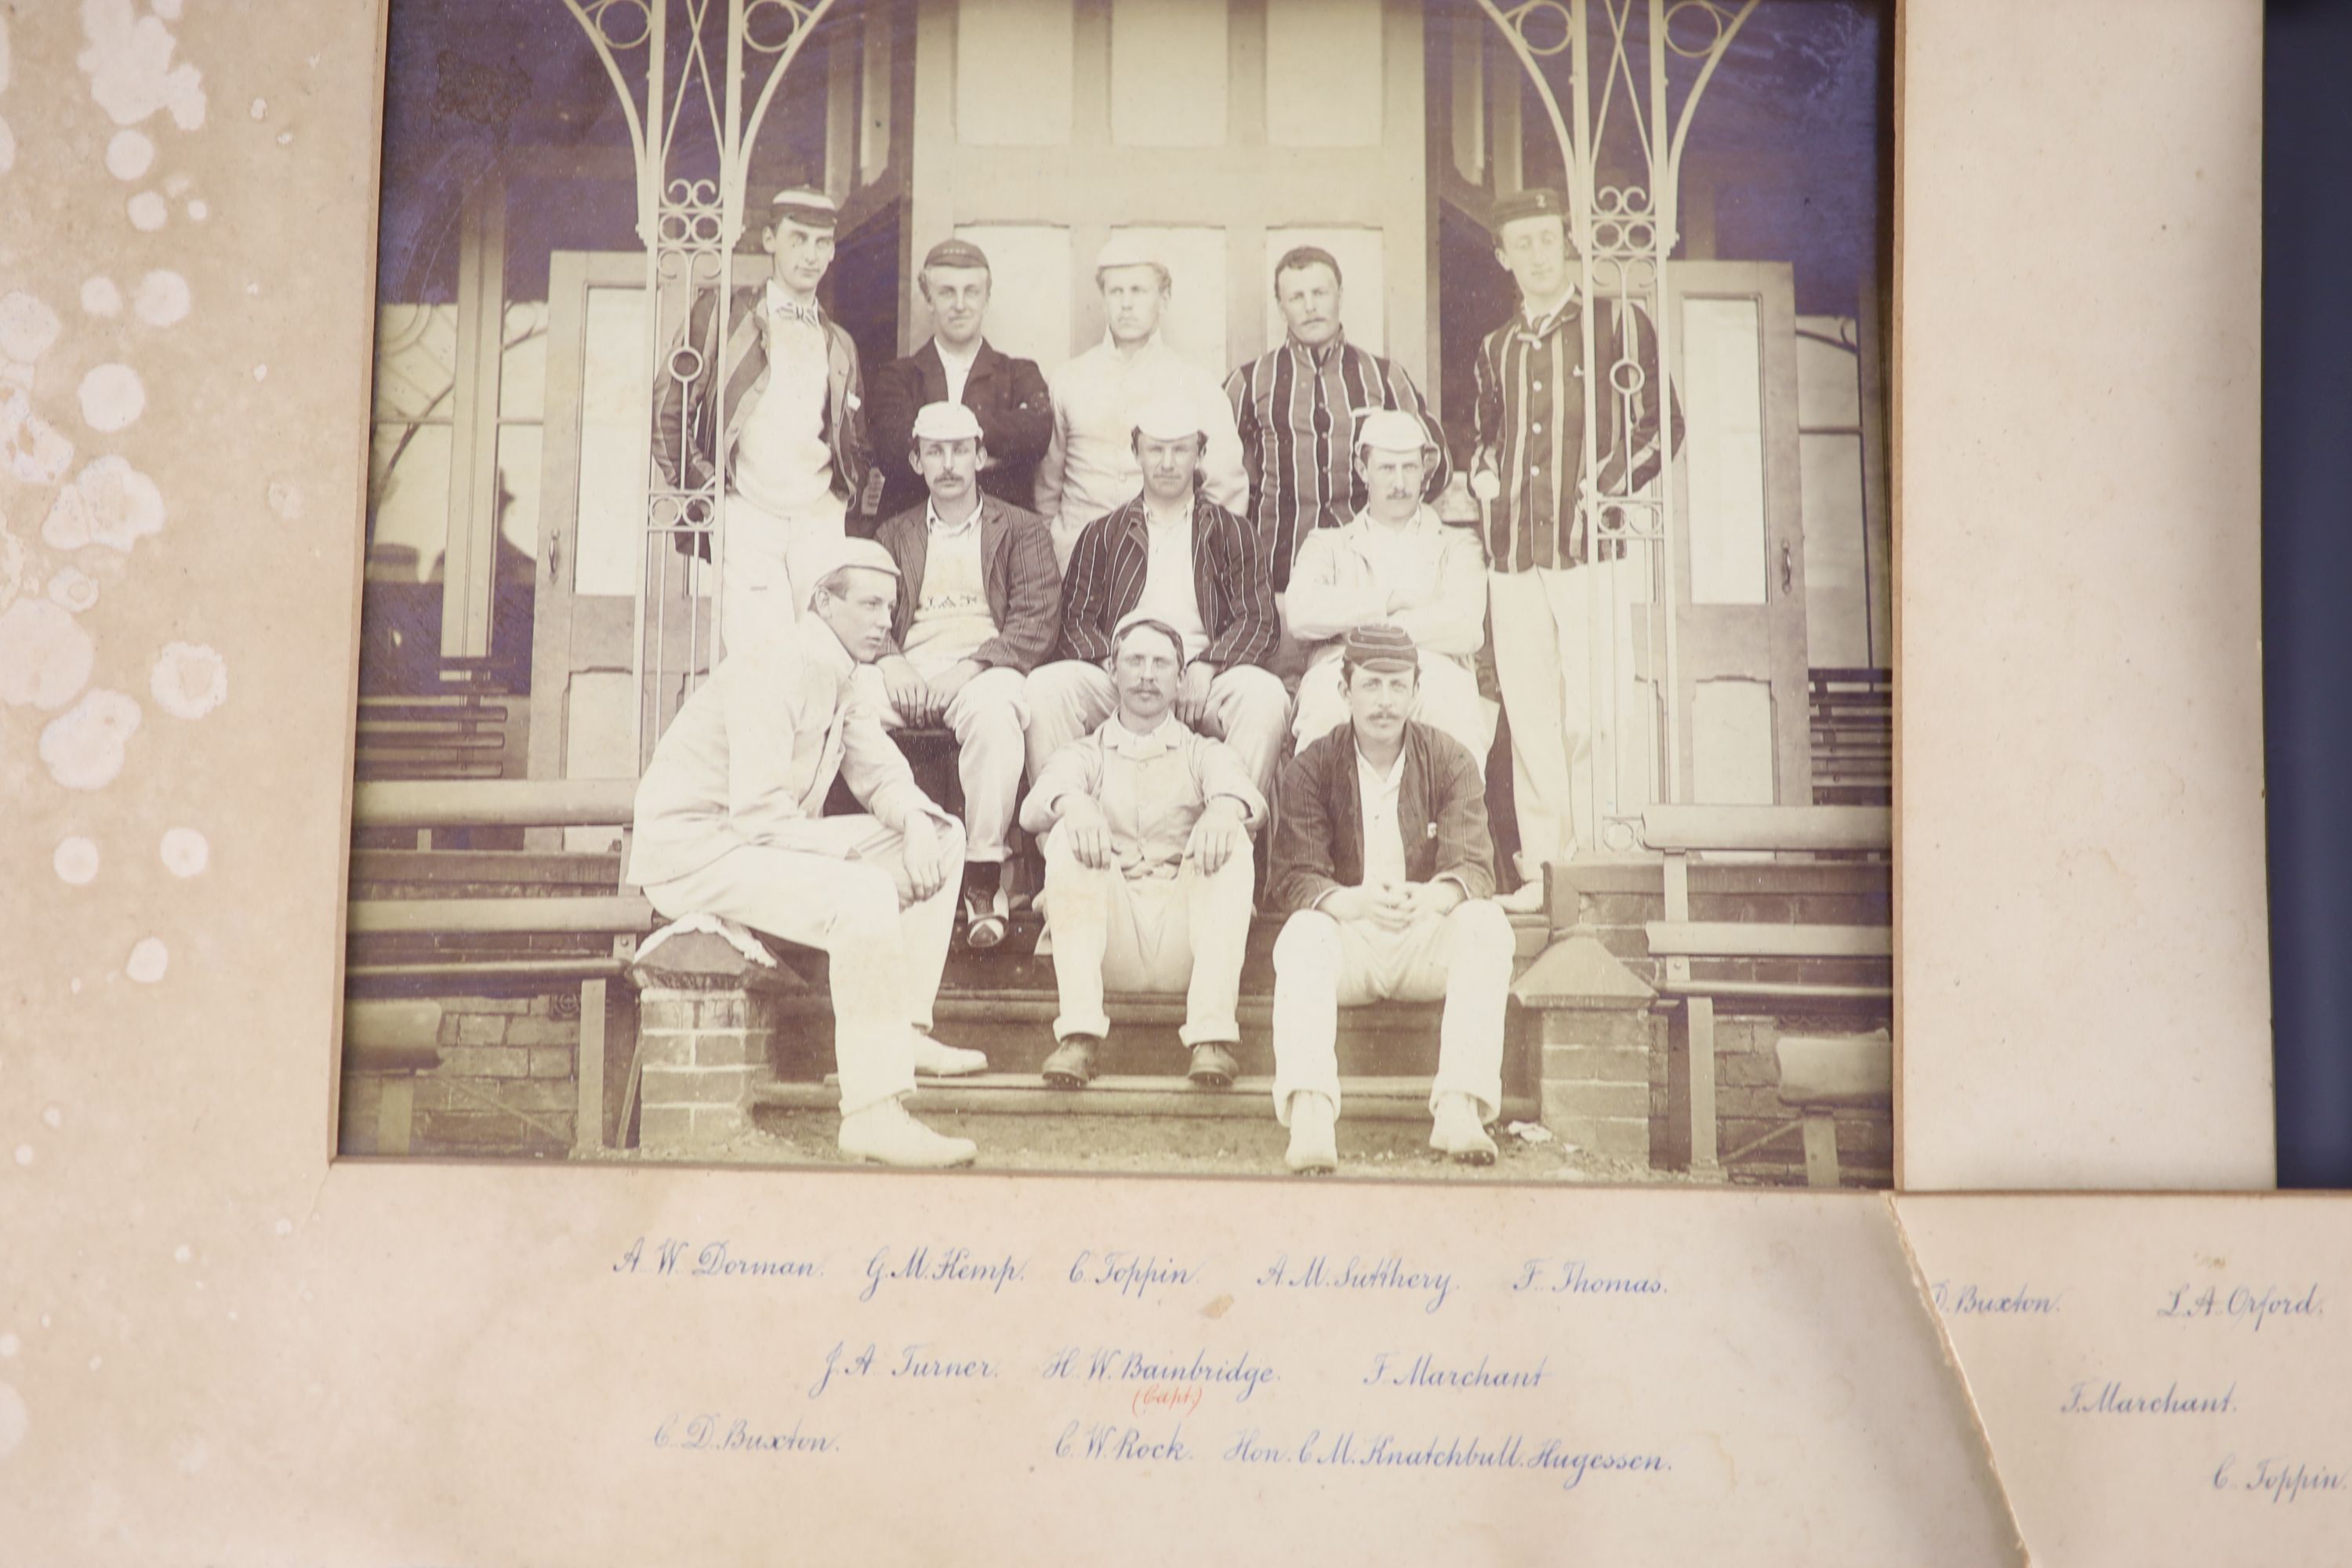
{"points": [[1014, 1028], [1370, 1099]]}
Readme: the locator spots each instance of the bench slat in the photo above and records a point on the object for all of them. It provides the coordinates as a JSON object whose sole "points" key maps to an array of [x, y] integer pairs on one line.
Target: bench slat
{"points": [[467, 967], [1743, 938], [1774, 991], [1837, 1069], [388, 1035], [1807, 827], [501, 916], [493, 803]]}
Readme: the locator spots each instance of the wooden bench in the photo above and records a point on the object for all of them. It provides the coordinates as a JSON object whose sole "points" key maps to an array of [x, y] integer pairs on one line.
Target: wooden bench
{"points": [[398, 1038], [1821, 1075], [1679, 833], [502, 938]]}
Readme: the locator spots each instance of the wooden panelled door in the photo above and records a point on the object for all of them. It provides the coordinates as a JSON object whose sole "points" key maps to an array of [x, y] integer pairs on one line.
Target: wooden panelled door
{"points": [[1740, 594]]}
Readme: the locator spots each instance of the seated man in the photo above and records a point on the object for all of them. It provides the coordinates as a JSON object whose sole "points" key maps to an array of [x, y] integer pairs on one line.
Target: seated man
{"points": [[1393, 563], [1148, 865], [979, 604], [727, 823], [1380, 853], [1177, 557]]}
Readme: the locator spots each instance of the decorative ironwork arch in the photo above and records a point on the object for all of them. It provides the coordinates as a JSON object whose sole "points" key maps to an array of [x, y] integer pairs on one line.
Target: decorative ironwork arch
{"points": [[696, 80], [1625, 235]]}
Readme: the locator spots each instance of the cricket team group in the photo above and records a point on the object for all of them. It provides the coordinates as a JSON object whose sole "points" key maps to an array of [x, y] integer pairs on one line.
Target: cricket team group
{"points": [[1085, 579]]}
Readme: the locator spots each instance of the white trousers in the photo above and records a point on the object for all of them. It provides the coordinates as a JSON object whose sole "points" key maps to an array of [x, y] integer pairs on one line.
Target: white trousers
{"points": [[1544, 656], [843, 889], [1182, 933], [1449, 699], [988, 717], [1321, 964], [1249, 711], [770, 563]]}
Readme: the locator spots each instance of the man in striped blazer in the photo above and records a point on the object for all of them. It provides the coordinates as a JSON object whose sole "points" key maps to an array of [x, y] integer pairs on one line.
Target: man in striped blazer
{"points": [[1534, 501], [794, 455], [1175, 556], [1295, 407]]}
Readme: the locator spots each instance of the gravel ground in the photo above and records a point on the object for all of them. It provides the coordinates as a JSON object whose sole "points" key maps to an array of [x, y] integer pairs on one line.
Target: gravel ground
{"points": [[1192, 1146]]}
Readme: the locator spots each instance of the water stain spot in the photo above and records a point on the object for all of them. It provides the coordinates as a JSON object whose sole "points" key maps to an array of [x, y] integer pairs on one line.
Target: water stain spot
{"points": [[28, 327], [46, 657], [189, 680], [186, 851], [182, 1253], [24, 1157], [100, 297], [1218, 1307], [148, 212], [14, 1420], [53, 1117], [76, 861], [148, 961], [110, 503], [129, 155], [84, 748], [112, 397], [163, 297]]}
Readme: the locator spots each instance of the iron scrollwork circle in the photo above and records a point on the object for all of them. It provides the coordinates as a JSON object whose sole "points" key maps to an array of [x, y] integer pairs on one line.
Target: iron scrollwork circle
{"points": [[1520, 23], [756, 25], [632, 34], [1719, 21]]}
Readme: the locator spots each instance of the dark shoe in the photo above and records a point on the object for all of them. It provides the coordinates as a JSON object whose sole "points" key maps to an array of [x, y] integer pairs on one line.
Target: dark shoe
{"points": [[1072, 1065], [984, 928], [1213, 1067]]}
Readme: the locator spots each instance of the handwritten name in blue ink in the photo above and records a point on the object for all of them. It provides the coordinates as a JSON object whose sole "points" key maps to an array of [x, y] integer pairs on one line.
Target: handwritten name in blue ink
{"points": [[1112, 1363], [920, 1362], [1574, 1277], [2111, 1398], [1358, 1273], [1108, 1440], [2283, 1480], [947, 1266], [719, 1435], [1131, 1274], [1969, 1299], [673, 1257], [2244, 1307], [1385, 1450], [1392, 1369]]}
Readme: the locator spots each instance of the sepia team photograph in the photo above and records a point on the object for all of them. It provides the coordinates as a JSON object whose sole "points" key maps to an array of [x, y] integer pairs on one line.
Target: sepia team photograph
{"points": [[1265, 588]]}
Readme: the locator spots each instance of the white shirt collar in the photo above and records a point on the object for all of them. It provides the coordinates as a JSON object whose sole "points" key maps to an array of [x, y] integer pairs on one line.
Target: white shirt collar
{"points": [[951, 357], [784, 307], [948, 530], [1117, 737], [1386, 780]]}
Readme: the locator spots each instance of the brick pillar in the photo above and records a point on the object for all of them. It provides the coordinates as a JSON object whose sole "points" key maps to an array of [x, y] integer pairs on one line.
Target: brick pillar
{"points": [[1596, 1026], [706, 1029]]}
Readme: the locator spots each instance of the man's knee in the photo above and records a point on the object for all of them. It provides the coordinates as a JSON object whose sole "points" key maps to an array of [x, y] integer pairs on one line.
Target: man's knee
{"points": [[865, 904], [1480, 930], [1254, 696], [1309, 943]]}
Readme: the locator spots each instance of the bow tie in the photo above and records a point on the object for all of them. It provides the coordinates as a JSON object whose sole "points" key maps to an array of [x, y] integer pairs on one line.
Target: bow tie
{"points": [[790, 310]]}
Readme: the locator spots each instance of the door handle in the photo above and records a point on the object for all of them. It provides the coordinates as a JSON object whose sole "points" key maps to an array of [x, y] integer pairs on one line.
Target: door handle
{"points": [[1788, 569]]}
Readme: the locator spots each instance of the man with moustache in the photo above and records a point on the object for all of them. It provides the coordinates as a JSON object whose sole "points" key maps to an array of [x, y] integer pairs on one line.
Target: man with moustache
{"points": [[1381, 858], [1148, 864], [792, 455], [1393, 563], [1173, 554], [958, 365], [1295, 407], [728, 823], [1090, 466], [978, 606], [1545, 575]]}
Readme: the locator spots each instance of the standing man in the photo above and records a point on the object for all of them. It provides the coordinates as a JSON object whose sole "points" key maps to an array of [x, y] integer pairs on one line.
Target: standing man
{"points": [[1382, 857], [727, 823], [1296, 406], [1173, 554], [958, 364], [1148, 865], [1535, 500], [1090, 466], [979, 604], [1395, 564], [792, 456]]}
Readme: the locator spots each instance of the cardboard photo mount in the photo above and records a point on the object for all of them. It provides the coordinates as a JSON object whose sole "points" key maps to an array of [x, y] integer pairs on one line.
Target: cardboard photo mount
{"points": [[219, 1345]]}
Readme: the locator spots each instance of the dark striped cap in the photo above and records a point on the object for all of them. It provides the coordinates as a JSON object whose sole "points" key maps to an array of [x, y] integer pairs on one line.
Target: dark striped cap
{"points": [[1380, 646]]}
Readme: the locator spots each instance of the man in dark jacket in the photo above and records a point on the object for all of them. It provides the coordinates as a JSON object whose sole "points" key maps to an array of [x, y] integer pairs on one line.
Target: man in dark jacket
{"points": [[980, 606], [958, 364], [1382, 857]]}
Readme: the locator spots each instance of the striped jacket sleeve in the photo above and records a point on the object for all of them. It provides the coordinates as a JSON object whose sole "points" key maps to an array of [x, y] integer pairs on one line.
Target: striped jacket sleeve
{"points": [[1252, 629], [1085, 597]]}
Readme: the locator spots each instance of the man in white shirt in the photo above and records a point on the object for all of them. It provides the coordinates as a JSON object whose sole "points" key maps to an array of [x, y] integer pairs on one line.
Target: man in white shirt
{"points": [[793, 454], [1090, 466], [1173, 554], [1381, 853], [1393, 563], [729, 823], [1148, 864], [980, 606]]}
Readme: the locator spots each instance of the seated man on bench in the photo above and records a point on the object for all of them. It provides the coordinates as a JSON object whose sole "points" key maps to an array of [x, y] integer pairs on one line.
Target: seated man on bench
{"points": [[726, 824], [980, 605], [1148, 864], [1381, 850]]}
